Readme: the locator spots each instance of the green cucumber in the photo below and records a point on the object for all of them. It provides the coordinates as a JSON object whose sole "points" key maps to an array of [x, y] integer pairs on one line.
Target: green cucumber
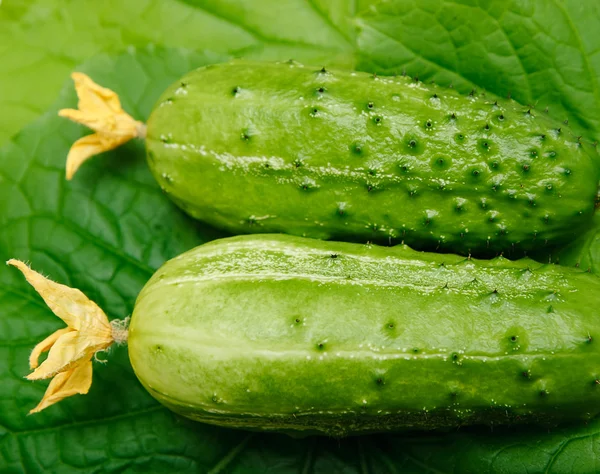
{"points": [[278, 147], [282, 333]]}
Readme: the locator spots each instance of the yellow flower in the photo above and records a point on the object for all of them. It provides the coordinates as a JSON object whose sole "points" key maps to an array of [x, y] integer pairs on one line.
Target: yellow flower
{"points": [[71, 349], [99, 109]]}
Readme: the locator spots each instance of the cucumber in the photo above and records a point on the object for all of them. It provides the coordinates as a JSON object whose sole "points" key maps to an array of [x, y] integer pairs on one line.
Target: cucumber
{"points": [[278, 147], [282, 333]]}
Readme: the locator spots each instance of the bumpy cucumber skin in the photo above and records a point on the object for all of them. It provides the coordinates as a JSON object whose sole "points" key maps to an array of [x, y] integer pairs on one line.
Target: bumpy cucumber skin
{"points": [[282, 333], [255, 147]]}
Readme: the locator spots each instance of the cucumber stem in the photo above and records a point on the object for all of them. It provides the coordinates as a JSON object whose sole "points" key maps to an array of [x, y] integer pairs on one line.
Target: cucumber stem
{"points": [[120, 330]]}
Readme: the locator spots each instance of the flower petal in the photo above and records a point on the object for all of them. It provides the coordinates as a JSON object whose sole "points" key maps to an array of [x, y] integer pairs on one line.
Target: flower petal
{"points": [[69, 350], [84, 149], [74, 381], [69, 304], [93, 97], [72, 348], [100, 110], [45, 346]]}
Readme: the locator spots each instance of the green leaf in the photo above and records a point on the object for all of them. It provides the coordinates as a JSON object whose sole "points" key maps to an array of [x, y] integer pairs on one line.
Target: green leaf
{"points": [[41, 41], [110, 228], [583, 252], [501, 451], [544, 53]]}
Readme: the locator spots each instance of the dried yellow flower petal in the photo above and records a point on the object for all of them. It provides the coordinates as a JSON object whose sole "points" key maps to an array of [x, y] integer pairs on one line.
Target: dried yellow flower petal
{"points": [[78, 380], [45, 346], [99, 108], [70, 349]]}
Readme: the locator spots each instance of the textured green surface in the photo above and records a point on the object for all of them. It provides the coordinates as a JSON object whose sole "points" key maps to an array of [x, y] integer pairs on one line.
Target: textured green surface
{"points": [[278, 332], [257, 147], [123, 228]]}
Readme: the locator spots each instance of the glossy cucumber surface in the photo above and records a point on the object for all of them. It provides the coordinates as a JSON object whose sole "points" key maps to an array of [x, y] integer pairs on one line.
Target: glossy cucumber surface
{"points": [[280, 147], [282, 333]]}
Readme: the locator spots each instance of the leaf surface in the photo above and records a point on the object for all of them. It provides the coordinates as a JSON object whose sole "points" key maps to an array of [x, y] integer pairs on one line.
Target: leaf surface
{"points": [[109, 229]]}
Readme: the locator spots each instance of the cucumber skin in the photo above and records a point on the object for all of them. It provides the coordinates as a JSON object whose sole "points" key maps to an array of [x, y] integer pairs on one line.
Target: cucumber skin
{"points": [[238, 145], [282, 333]]}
